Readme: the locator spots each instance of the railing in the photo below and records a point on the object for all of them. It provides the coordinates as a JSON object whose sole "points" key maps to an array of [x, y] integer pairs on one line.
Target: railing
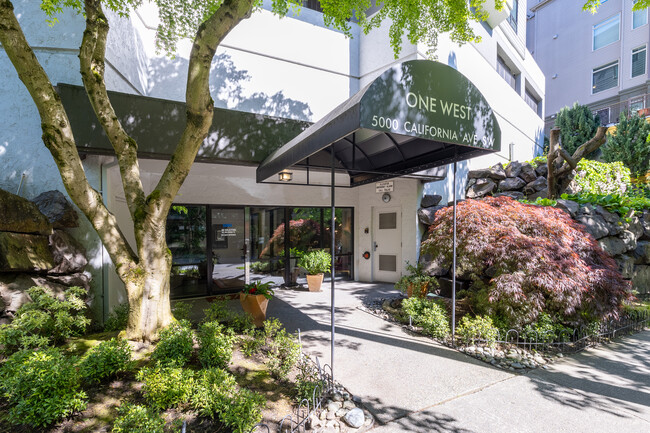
{"points": [[296, 421], [568, 341]]}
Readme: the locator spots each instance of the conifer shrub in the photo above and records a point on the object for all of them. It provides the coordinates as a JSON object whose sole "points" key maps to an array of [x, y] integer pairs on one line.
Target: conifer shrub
{"points": [[41, 387], [523, 260]]}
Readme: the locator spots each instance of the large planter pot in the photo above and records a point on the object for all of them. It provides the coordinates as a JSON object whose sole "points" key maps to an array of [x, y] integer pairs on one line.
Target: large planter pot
{"points": [[314, 282], [255, 305]]}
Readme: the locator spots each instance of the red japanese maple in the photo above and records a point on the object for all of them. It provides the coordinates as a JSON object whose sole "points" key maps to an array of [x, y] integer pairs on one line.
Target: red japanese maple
{"points": [[525, 259]]}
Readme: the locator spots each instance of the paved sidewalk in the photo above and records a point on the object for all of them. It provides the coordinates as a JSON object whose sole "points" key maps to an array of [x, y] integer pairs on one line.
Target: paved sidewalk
{"points": [[412, 384]]}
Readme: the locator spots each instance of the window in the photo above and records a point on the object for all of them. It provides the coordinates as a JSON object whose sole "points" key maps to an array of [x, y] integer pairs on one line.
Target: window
{"points": [[604, 77], [532, 101], [312, 4], [606, 32], [603, 115], [506, 73], [638, 61], [512, 18], [639, 18], [636, 104]]}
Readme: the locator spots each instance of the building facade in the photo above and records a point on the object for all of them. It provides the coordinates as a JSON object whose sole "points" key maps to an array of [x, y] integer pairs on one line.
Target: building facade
{"points": [[271, 78], [597, 60]]}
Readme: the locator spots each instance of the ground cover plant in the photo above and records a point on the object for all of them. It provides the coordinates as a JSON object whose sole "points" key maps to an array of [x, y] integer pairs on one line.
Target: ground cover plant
{"points": [[221, 376], [523, 260]]}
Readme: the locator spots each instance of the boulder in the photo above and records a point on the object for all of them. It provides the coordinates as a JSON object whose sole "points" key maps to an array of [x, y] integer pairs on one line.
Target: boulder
{"points": [[20, 215], [587, 209], [481, 173], [24, 252], [427, 215], [594, 224], [538, 184], [628, 239], [481, 188], [635, 226], [645, 223], [57, 209], [569, 206], [626, 265], [429, 200], [613, 245], [642, 253], [641, 279], [511, 184], [542, 170], [543, 193], [527, 173], [615, 229], [355, 418], [497, 172], [13, 288], [69, 256], [515, 195], [434, 267], [70, 280], [607, 215], [513, 169]]}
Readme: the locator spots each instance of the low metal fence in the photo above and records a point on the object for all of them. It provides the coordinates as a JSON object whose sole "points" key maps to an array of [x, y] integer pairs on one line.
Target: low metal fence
{"points": [[568, 340]]}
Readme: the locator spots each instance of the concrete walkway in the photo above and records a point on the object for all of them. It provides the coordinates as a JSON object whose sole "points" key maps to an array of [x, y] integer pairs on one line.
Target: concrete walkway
{"points": [[412, 384]]}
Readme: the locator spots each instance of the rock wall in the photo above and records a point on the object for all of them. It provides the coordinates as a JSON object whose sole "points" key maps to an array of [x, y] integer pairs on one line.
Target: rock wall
{"points": [[627, 240], [35, 249]]}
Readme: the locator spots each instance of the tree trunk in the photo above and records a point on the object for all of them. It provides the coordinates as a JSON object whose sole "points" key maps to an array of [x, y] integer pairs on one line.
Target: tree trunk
{"points": [[148, 291]]}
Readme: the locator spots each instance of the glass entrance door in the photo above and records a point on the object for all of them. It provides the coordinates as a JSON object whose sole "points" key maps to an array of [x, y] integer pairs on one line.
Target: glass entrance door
{"points": [[228, 249]]}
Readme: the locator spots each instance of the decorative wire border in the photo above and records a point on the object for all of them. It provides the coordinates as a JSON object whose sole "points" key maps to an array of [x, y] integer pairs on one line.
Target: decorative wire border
{"points": [[567, 341], [306, 407]]}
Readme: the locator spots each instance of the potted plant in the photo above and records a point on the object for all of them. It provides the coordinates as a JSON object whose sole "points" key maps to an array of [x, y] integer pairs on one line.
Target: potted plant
{"points": [[254, 299], [417, 283], [315, 263]]}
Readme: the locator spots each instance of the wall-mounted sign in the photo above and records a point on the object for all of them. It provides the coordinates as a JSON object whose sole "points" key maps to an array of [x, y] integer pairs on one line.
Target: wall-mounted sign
{"points": [[384, 186]]}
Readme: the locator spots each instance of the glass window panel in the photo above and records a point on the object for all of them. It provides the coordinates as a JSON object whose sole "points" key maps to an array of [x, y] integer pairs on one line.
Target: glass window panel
{"points": [[512, 18], [639, 18], [605, 77], [267, 244], [506, 73], [186, 239], [387, 263], [228, 248], [606, 32], [531, 101], [603, 116], [638, 61]]}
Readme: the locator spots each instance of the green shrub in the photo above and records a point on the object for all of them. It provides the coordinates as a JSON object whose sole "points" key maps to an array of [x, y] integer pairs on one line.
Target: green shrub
{"points": [[118, 318], [429, 315], [166, 387], [283, 354], [41, 387], [181, 310], [133, 418], [316, 262], [577, 125], [220, 312], [215, 345], [216, 395], [479, 328], [419, 282], [105, 360], [602, 178], [629, 144], [545, 330], [46, 320], [175, 346], [307, 381]]}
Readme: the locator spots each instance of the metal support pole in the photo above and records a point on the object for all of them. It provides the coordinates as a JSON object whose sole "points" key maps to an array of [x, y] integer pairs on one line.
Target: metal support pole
{"points": [[333, 253], [453, 271]]}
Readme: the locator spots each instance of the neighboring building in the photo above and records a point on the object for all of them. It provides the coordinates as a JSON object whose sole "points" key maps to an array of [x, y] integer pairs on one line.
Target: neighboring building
{"points": [[599, 60], [271, 76]]}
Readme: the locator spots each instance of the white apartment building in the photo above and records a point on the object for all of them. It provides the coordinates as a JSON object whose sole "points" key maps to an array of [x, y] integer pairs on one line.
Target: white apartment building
{"points": [[599, 60], [271, 78]]}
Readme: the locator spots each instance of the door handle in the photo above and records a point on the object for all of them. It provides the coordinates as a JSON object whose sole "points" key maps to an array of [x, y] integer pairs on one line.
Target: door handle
{"points": [[375, 246]]}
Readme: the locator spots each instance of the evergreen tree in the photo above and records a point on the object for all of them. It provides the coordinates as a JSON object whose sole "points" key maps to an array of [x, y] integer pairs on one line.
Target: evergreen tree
{"points": [[629, 144], [577, 125]]}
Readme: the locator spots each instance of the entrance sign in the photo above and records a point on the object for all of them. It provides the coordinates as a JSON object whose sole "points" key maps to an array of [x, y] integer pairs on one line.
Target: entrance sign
{"points": [[384, 186], [433, 101]]}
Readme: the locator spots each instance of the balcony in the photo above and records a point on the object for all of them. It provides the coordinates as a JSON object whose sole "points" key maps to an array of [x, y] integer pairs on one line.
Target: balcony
{"points": [[496, 17]]}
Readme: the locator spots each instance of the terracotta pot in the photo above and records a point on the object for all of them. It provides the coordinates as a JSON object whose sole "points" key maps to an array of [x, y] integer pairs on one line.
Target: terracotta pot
{"points": [[314, 282], [419, 290], [255, 305]]}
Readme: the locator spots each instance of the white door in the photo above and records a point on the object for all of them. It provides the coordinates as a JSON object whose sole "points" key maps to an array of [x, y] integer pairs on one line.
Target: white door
{"points": [[387, 244]]}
